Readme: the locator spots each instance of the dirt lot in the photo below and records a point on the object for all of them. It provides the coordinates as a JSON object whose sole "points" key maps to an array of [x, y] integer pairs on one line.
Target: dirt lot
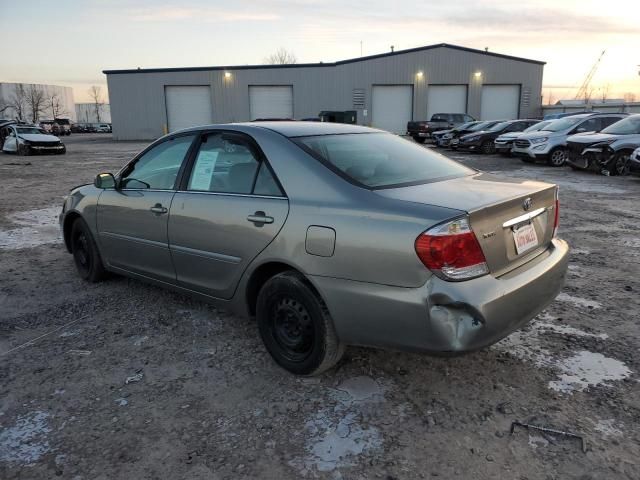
{"points": [[135, 382]]}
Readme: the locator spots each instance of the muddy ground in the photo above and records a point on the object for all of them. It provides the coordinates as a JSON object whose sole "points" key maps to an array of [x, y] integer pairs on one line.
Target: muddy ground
{"points": [[134, 382]]}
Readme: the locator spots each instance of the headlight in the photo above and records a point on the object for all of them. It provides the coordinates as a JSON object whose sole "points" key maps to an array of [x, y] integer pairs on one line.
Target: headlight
{"points": [[539, 140], [471, 139]]}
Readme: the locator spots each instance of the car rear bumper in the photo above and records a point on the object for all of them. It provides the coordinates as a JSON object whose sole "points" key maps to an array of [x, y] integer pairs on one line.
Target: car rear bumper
{"points": [[445, 316]]}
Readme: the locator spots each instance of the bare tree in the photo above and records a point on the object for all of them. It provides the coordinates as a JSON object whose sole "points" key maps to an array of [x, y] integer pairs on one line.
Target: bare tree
{"points": [[55, 105], [604, 92], [18, 101], [629, 97], [281, 57], [588, 94], [35, 101], [95, 92]]}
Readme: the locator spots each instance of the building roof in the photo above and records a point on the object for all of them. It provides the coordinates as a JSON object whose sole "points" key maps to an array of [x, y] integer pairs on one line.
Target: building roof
{"points": [[323, 64]]}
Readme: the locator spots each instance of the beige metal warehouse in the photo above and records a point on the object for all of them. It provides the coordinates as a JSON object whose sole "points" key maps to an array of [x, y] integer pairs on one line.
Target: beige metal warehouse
{"points": [[385, 90]]}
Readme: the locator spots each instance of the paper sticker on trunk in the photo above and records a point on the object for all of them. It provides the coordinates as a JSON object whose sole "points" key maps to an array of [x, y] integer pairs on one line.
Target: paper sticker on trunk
{"points": [[525, 238]]}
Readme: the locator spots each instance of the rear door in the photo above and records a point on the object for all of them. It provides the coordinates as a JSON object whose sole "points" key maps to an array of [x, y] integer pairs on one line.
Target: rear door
{"points": [[132, 220], [228, 209]]}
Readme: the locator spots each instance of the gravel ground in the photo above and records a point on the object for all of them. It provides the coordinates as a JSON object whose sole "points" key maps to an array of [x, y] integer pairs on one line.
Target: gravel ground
{"points": [[134, 382]]}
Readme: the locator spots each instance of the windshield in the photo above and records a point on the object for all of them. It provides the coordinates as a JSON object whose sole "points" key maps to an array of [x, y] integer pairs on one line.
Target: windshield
{"points": [[563, 124], [499, 126], [30, 130], [628, 126], [481, 126], [537, 126], [464, 126], [379, 160]]}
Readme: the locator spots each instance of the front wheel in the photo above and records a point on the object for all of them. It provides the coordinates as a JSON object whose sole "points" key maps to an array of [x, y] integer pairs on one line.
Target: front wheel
{"points": [[23, 151], [557, 157], [620, 163], [85, 252], [419, 139], [296, 327]]}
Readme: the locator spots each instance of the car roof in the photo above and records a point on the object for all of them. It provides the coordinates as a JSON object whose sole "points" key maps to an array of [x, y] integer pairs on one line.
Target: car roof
{"points": [[297, 129]]}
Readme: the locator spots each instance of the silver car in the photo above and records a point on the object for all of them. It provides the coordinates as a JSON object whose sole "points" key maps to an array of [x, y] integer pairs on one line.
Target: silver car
{"points": [[330, 235]]}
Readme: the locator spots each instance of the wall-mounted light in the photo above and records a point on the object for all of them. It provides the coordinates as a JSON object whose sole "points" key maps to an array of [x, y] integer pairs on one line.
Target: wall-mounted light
{"points": [[227, 75], [420, 74], [478, 74]]}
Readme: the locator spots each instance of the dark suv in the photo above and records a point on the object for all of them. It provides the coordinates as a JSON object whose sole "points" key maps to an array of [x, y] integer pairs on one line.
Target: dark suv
{"points": [[484, 140], [421, 130]]}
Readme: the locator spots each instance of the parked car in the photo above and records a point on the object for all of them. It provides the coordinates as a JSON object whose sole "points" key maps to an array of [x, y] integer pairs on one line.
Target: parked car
{"points": [[452, 139], [103, 128], [634, 162], [608, 151], [57, 126], [413, 251], [29, 140], [439, 135], [504, 142], [484, 141], [421, 130], [550, 144]]}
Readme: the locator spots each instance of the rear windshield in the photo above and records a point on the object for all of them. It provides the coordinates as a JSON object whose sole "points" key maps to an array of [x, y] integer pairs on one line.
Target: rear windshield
{"points": [[381, 160], [440, 117], [628, 126]]}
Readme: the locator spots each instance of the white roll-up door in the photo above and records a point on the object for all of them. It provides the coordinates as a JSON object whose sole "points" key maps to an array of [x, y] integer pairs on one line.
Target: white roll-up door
{"points": [[188, 106], [392, 107], [446, 99], [500, 102], [271, 101]]}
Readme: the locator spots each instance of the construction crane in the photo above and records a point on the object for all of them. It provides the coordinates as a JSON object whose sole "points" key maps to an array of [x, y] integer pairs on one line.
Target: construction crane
{"points": [[585, 85]]}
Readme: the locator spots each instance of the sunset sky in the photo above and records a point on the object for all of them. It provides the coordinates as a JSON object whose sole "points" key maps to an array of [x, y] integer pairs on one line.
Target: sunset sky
{"points": [[68, 42]]}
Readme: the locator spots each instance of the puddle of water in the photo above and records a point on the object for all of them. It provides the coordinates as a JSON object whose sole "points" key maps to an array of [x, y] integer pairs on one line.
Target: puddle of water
{"points": [[607, 428], [586, 369], [336, 435], [25, 443], [580, 302], [37, 227], [575, 373]]}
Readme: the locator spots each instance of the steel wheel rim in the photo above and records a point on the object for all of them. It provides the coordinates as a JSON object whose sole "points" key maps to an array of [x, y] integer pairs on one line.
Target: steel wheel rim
{"points": [[291, 328]]}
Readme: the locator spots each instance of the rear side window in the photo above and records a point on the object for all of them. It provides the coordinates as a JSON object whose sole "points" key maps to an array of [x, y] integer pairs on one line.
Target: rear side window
{"points": [[380, 160], [608, 121], [229, 164]]}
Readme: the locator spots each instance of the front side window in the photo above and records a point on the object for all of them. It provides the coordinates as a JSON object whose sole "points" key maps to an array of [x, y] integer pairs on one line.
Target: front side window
{"points": [[228, 163], [380, 160], [591, 125], [157, 168]]}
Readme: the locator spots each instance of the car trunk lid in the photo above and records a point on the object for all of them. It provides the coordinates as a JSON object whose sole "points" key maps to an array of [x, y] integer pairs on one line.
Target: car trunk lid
{"points": [[500, 210]]}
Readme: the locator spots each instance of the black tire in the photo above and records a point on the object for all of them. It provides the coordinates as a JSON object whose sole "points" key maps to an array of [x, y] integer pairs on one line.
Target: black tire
{"points": [[557, 157], [23, 151], [85, 253], [419, 139], [488, 147], [528, 159], [296, 327], [620, 163]]}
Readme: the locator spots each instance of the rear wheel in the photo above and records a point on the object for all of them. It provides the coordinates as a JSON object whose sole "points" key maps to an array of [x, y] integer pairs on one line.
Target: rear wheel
{"points": [[557, 157], [85, 252], [488, 147], [296, 327], [419, 139]]}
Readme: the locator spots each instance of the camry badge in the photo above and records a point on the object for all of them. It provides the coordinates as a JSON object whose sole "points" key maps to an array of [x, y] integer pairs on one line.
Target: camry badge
{"points": [[527, 203]]}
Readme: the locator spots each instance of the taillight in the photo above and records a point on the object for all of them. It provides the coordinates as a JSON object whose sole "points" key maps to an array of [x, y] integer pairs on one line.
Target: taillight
{"points": [[452, 251], [556, 218]]}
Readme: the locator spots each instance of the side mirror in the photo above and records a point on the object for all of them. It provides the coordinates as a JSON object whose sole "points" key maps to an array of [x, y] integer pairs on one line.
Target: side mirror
{"points": [[105, 180]]}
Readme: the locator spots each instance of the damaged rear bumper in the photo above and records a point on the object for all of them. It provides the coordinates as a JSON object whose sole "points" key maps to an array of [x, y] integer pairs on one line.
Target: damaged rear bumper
{"points": [[445, 316]]}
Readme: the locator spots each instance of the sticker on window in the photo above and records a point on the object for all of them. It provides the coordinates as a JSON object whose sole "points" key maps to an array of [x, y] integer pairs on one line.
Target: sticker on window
{"points": [[203, 170]]}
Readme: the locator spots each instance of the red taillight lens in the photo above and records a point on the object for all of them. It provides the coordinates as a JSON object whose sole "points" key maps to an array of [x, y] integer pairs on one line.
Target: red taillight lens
{"points": [[556, 218], [452, 251]]}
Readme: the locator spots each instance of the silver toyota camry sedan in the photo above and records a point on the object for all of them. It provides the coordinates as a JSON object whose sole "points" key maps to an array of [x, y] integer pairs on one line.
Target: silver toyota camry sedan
{"points": [[330, 235]]}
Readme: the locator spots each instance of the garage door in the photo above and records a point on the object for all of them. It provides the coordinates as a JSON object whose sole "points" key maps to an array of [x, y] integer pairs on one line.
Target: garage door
{"points": [[500, 102], [271, 101], [446, 99], [391, 107], [188, 106]]}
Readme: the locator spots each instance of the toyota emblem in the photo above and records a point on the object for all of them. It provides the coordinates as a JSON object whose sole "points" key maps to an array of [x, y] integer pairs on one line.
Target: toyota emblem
{"points": [[527, 203]]}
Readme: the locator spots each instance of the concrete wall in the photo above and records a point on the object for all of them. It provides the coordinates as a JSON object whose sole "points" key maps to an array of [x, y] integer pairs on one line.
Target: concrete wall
{"points": [[65, 96], [138, 102], [86, 113], [630, 107]]}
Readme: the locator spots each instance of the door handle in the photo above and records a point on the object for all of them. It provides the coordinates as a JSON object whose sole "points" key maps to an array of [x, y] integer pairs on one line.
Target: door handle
{"points": [[158, 209], [259, 218]]}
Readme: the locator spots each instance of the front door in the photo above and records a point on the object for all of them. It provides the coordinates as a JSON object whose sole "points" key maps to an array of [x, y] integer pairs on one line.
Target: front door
{"points": [[132, 220], [229, 210]]}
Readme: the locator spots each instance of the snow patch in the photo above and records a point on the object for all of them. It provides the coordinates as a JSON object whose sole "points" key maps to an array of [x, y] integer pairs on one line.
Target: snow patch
{"points": [[585, 369], [581, 302], [25, 443], [607, 428], [37, 227]]}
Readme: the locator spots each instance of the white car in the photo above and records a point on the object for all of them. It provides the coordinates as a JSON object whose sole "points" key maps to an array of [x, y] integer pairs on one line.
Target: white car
{"points": [[29, 140]]}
